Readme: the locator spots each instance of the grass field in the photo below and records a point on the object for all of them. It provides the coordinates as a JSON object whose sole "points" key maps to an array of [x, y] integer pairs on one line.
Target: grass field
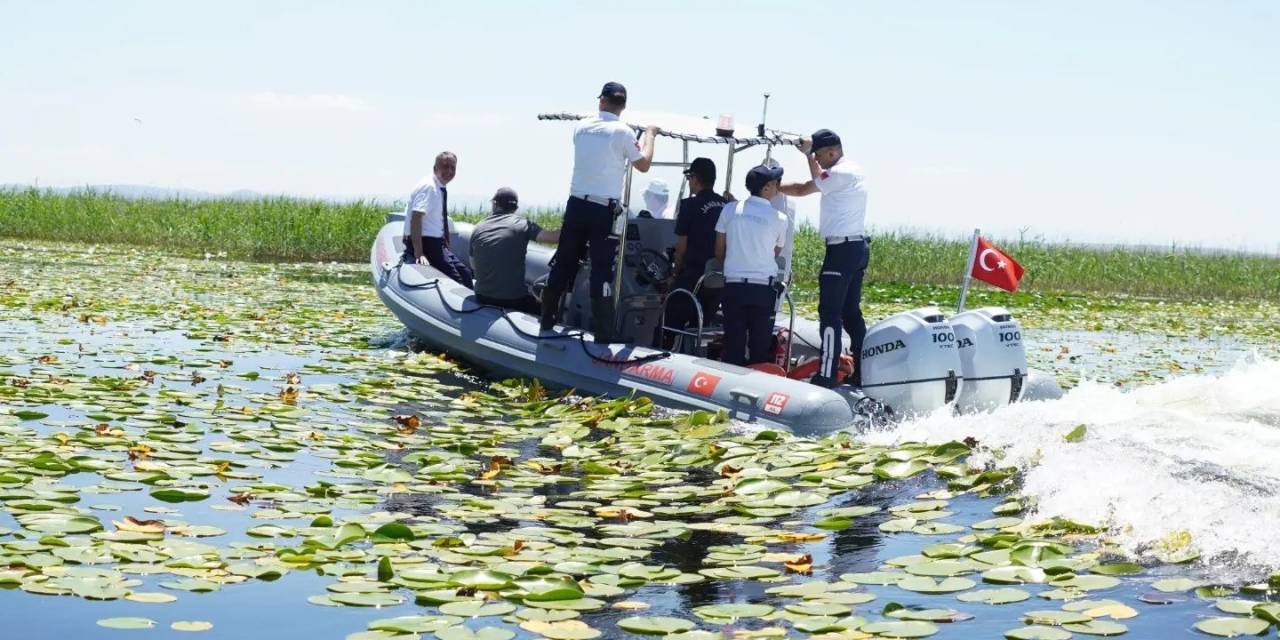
{"points": [[287, 229]]}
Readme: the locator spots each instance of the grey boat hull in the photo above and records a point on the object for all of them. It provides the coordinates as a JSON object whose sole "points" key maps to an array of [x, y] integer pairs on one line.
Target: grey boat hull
{"points": [[445, 314]]}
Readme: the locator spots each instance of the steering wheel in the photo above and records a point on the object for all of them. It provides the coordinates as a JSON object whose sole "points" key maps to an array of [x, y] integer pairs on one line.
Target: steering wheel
{"points": [[654, 267]]}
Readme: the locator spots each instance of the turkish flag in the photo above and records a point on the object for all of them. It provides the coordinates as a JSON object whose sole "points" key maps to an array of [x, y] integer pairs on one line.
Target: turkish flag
{"points": [[995, 267]]}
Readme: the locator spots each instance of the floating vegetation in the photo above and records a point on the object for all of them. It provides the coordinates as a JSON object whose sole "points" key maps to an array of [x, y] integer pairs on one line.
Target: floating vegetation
{"points": [[177, 431]]}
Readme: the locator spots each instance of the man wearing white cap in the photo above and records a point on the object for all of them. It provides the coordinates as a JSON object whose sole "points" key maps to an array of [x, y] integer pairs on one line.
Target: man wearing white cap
{"points": [[656, 196]]}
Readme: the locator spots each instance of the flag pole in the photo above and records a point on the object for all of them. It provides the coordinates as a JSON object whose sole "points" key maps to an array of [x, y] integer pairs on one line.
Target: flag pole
{"points": [[968, 270]]}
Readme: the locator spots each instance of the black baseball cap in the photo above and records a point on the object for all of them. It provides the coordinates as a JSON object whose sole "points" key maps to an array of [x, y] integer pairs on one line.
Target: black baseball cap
{"points": [[614, 92], [704, 169], [760, 175], [506, 197], [823, 138]]}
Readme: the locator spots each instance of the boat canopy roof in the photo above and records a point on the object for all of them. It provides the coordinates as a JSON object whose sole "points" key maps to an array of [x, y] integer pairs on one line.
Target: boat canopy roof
{"points": [[690, 128]]}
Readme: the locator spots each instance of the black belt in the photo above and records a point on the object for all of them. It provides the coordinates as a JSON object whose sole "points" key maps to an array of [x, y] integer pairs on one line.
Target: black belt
{"points": [[760, 281]]}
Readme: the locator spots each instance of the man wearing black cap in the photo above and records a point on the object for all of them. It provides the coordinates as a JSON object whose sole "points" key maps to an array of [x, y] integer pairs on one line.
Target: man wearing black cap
{"points": [[602, 146], [749, 235], [696, 219], [842, 216], [499, 244]]}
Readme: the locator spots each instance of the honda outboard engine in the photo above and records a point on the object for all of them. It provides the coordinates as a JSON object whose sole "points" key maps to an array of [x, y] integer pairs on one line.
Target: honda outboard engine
{"points": [[992, 358], [910, 362]]}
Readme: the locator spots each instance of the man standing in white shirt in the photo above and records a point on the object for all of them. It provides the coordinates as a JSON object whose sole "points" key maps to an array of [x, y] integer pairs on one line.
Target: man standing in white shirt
{"points": [[426, 222], [602, 146], [749, 235], [842, 216]]}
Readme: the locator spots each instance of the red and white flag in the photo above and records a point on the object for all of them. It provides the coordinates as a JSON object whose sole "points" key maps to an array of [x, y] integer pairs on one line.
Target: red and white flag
{"points": [[993, 266]]}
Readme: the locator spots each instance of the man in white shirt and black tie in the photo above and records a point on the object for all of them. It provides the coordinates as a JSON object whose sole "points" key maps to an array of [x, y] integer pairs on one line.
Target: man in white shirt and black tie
{"points": [[426, 222]]}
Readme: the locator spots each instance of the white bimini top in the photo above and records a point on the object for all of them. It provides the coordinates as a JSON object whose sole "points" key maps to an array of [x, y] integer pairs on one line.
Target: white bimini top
{"points": [[843, 210], [601, 148], [752, 230], [427, 198]]}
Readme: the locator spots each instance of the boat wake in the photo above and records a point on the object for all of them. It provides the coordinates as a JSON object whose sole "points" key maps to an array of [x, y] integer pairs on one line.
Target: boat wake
{"points": [[1197, 455]]}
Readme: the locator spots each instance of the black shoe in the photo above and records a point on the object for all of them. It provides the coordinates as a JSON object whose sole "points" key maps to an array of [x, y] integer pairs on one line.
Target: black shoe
{"points": [[603, 326], [550, 310], [823, 381], [853, 380]]}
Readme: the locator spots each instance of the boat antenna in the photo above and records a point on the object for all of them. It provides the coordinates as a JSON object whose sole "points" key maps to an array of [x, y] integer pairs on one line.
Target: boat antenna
{"points": [[768, 152]]}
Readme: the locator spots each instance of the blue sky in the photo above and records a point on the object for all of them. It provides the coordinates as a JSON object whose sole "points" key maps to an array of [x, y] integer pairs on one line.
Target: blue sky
{"points": [[1090, 121]]}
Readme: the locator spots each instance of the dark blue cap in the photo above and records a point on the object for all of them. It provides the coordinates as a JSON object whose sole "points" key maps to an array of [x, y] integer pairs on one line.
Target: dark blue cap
{"points": [[760, 175], [823, 138], [614, 91]]}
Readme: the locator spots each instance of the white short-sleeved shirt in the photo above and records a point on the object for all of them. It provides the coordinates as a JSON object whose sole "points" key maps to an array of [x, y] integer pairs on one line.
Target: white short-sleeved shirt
{"points": [[752, 229], [783, 203], [601, 148], [426, 197], [843, 210]]}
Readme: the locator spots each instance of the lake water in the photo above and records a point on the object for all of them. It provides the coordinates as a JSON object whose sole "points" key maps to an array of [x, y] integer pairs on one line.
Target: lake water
{"points": [[282, 384]]}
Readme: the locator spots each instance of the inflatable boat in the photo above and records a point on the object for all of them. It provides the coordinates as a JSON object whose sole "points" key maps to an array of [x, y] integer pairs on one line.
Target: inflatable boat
{"points": [[914, 362]]}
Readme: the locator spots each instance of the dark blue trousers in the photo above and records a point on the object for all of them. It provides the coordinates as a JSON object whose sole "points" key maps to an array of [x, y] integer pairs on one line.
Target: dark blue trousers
{"points": [[442, 258], [840, 306], [748, 322], [586, 227]]}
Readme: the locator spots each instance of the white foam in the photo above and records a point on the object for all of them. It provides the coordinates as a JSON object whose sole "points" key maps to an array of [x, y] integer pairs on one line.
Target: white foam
{"points": [[1198, 453]]}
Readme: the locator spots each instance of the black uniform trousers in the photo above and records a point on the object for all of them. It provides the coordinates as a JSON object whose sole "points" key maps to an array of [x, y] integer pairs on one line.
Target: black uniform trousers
{"points": [[840, 306], [586, 227], [681, 313], [748, 322], [442, 258]]}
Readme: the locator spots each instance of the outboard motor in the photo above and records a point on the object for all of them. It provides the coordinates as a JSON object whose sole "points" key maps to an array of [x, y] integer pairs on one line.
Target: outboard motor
{"points": [[910, 362], [992, 358]]}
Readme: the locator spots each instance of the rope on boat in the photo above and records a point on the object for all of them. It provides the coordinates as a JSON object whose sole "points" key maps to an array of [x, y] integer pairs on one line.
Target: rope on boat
{"points": [[776, 139], [435, 284]]}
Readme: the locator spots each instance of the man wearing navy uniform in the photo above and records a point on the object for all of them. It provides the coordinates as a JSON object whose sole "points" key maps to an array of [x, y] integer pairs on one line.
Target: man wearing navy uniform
{"points": [[749, 235], [842, 216], [426, 222], [696, 219], [602, 146]]}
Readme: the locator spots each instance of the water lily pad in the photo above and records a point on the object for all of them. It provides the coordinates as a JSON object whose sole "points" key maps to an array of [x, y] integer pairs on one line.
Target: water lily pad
{"points": [[1097, 628], [1054, 617], [368, 599], [561, 630], [547, 589], [414, 624], [654, 625], [191, 625], [924, 584], [1232, 627], [994, 596], [902, 629], [477, 608], [127, 623], [481, 579], [461, 632], [1117, 569], [733, 611]]}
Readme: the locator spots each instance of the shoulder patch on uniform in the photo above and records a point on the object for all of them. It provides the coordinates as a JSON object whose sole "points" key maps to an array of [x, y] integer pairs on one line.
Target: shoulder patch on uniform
{"points": [[637, 144], [825, 174]]}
